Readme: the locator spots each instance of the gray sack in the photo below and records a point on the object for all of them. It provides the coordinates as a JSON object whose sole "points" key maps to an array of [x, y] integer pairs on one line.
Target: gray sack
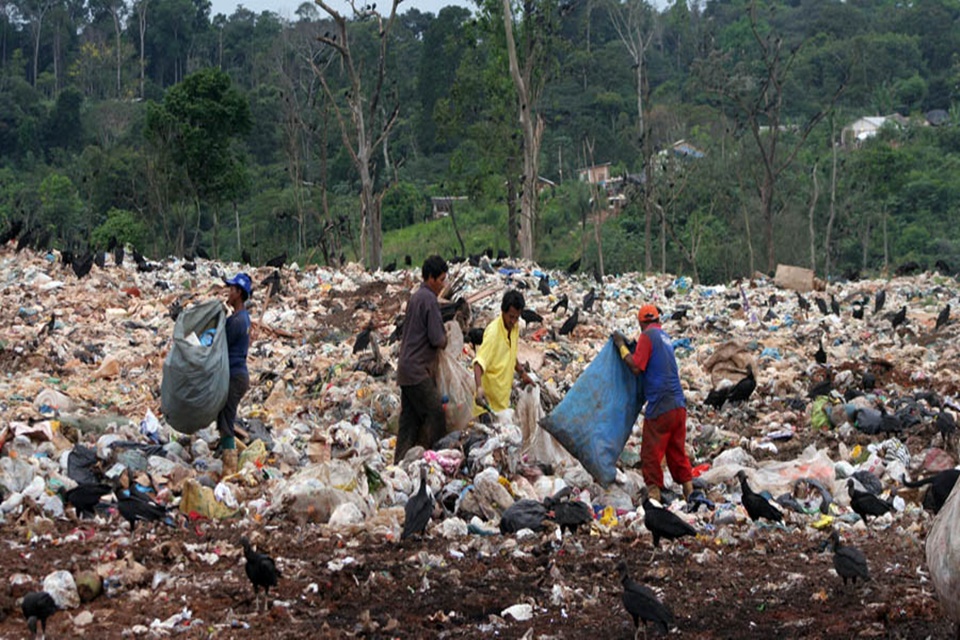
{"points": [[196, 379]]}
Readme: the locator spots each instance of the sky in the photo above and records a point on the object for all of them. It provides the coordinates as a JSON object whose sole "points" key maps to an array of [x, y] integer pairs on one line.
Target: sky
{"points": [[286, 8]]}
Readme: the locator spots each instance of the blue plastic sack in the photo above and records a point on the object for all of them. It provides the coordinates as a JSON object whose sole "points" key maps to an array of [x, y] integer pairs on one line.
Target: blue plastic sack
{"points": [[595, 418]]}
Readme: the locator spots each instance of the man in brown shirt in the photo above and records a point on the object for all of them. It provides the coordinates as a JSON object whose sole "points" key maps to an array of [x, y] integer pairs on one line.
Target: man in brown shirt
{"points": [[421, 412]]}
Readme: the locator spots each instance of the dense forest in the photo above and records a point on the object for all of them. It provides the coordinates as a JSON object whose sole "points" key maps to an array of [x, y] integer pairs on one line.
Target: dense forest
{"points": [[724, 125]]}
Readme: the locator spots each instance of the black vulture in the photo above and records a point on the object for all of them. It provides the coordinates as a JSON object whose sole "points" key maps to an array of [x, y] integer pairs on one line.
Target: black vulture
{"points": [[858, 311], [642, 604], [717, 397], [941, 484], [571, 323], [574, 267], [134, 506], [569, 514], [390, 267], [82, 265], [908, 268], [879, 300], [744, 388], [562, 301], [274, 282], [820, 356], [822, 388], [277, 261], [946, 425], [834, 305], [866, 504], [943, 317], [597, 276], [544, 285], [502, 255], [663, 523], [475, 337], [118, 255], [804, 305], [38, 606], [100, 259], [245, 257], [898, 318], [407, 260], [756, 505], [418, 509], [849, 562], [822, 305], [85, 497], [261, 569], [943, 267], [362, 340], [529, 315], [589, 299], [679, 314]]}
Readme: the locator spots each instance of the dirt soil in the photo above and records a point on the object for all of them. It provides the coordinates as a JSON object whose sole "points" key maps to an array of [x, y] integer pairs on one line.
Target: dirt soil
{"points": [[740, 582]]}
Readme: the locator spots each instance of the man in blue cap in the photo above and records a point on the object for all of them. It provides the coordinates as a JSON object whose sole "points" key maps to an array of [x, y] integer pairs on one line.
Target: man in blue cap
{"points": [[238, 343]]}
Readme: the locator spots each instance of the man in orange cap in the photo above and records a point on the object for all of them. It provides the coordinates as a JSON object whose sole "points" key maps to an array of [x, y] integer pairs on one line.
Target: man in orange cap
{"points": [[665, 416]]}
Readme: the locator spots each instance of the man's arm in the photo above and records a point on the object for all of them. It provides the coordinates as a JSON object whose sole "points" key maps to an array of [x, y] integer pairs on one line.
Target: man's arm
{"points": [[435, 331]]}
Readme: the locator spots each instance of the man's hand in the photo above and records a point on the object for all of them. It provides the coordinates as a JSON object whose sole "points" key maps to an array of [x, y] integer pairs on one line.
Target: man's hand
{"points": [[619, 340], [525, 379], [481, 396]]}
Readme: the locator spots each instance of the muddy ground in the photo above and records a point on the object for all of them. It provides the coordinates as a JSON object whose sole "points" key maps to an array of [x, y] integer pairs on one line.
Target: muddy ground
{"points": [[741, 581]]}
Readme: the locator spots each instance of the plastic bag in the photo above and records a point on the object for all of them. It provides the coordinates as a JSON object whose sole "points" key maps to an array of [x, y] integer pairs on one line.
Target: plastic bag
{"points": [[454, 381], [595, 418], [943, 554], [196, 379], [537, 443]]}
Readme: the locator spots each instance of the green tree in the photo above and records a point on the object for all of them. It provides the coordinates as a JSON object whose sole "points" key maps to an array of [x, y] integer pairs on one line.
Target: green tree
{"points": [[61, 210], [196, 128]]}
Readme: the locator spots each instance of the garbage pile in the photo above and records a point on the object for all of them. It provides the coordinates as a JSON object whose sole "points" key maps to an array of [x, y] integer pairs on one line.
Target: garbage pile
{"points": [[850, 397]]}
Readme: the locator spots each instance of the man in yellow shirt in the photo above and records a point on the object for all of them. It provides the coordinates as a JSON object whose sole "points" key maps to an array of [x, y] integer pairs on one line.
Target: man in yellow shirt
{"points": [[496, 360]]}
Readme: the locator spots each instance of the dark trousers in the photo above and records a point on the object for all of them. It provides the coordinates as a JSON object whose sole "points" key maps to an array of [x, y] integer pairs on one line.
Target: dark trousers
{"points": [[421, 417], [228, 415]]}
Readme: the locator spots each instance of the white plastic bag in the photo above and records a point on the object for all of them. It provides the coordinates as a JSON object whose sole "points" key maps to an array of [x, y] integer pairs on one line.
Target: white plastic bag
{"points": [[454, 381], [537, 442]]}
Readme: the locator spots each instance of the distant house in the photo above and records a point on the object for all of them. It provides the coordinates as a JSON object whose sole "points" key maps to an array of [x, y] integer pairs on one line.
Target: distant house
{"points": [[597, 174], [684, 149], [442, 206], [855, 133]]}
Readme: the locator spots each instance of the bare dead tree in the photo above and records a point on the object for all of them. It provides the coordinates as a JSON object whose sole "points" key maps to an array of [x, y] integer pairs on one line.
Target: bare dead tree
{"points": [[759, 102], [363, 128], [636, 24], [529, 81], [812, 210]]}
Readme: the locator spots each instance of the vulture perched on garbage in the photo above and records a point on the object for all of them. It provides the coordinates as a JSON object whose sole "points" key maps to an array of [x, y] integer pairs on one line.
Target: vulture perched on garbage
{"points": [[571, 323], [544, 285], [589, 298], [277, 261], [362, 340], [569, 514], [529, 315], [879, 300], [820, 356], [562, 301], [756, 505], [134, 506], [261, 570], [822, 305], [849, 562], [803, 302], [866, 504], [418, 509], [37, 606], [941, 484], [744, 388], [84, 497], [642, 603], [943, 317], [663, 523], [898, 318]]}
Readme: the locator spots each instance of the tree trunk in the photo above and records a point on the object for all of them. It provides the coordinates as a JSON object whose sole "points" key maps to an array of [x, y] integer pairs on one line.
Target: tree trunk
{"points": [[116, 30], [827, 267], [766, 203], [236, 221], [532, 127], [142, 20], [813, 208]]}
